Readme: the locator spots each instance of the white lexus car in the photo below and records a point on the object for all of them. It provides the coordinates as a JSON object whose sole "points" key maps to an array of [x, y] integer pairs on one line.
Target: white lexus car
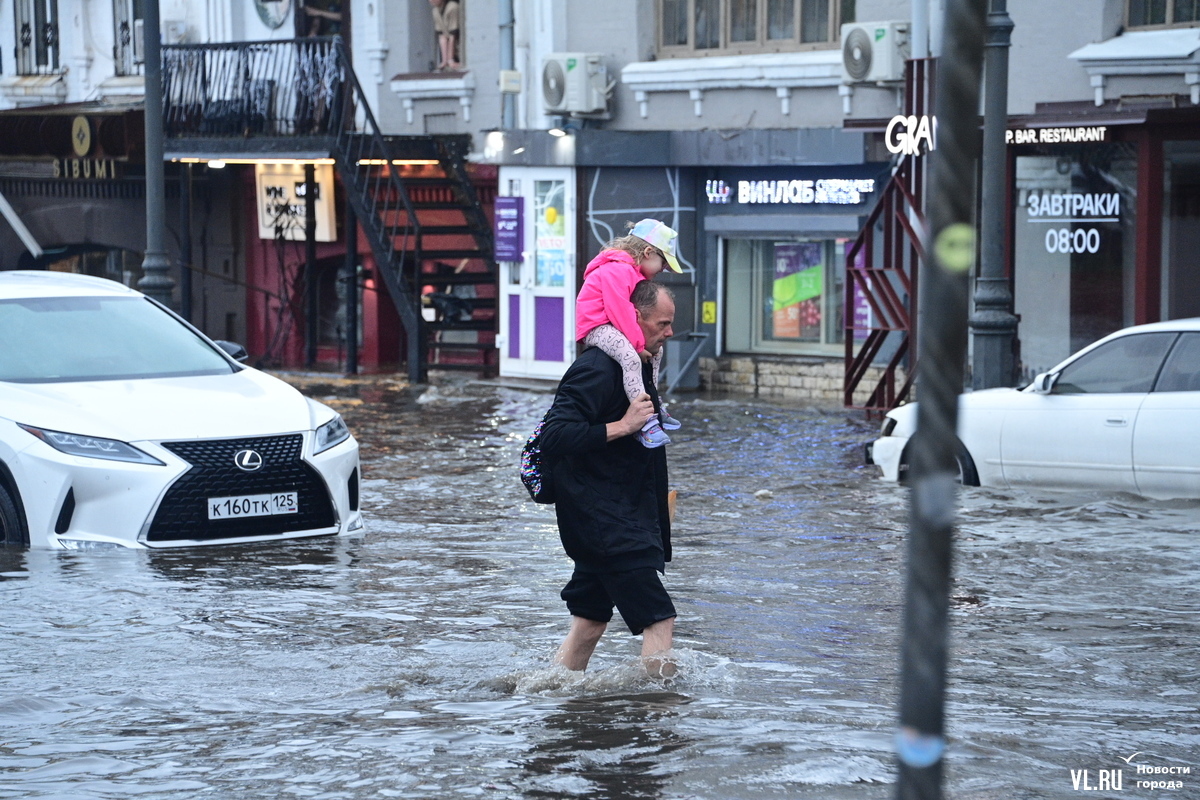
{"points": [[1121, 414], [121, 424]]}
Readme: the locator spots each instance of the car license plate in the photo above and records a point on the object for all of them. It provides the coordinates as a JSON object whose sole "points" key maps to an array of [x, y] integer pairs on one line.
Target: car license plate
{"points": [[252, 505]]}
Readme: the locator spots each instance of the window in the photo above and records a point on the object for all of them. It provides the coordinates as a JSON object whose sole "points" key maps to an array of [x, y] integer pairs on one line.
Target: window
{"points": [[783, 296], [550, 235], [37, 36], [128, 16], [712, 27], [49, 339], [1074, 265], [1145, 13], [1181, 373], [1128, 364]]}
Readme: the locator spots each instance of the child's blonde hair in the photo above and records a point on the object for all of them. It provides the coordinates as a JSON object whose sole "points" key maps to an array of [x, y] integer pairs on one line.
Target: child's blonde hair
{"points": [[635, 246]]}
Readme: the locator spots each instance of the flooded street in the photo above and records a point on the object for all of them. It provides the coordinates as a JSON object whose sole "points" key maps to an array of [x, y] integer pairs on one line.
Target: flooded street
{"points": [[413, 661]]}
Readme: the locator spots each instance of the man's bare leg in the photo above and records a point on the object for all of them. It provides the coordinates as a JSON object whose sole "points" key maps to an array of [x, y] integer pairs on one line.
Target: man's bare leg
{"points": [[576, 650], [656, 642]]}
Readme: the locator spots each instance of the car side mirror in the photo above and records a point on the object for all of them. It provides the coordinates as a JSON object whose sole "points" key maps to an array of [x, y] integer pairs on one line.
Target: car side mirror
{"points": [[232, 349], [1044, 383]]}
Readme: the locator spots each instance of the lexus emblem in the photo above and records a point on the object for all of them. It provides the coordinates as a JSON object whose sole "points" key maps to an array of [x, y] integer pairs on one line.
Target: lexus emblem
{"points": [[248, 460]]}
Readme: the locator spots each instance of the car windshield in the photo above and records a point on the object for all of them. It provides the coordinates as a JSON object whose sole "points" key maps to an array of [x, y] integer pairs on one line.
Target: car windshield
{"points": [[53, 339]]}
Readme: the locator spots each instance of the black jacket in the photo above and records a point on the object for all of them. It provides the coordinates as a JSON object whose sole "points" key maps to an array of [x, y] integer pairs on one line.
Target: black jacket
{"points": [[611, 496]]}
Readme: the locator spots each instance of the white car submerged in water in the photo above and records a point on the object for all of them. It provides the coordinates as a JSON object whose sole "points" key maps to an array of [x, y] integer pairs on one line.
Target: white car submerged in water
{"points": [[1122, 414], [122, 424]]}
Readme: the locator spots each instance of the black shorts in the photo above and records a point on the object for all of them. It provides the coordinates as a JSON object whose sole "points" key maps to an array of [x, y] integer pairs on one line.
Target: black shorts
{"points": [[638, 595]]}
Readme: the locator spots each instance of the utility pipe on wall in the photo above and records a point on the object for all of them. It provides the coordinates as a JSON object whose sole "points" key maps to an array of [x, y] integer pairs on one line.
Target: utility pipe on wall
{"points": [[920, 29], [507, 62]]}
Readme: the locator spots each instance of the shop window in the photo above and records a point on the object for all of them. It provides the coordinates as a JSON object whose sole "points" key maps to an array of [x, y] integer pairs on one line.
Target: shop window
{"points": [[333, 297], [719, 27], [128, 16], [1181, 230], [1150, 13], [37, 36], [783, 296], [1073, 248]]}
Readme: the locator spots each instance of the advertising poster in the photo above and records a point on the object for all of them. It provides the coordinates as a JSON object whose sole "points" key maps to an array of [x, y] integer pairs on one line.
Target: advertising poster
{"points": [[281, 207], [796, 290], [550, 233], [509, 228]]}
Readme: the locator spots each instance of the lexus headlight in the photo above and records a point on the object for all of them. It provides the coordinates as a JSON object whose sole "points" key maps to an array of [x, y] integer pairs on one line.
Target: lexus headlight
{"points": [[74, 444], [330, 434], [888, 426]]}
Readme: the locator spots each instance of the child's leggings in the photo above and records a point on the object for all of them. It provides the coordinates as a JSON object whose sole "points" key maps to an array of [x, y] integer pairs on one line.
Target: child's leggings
{"points": [[616, 346]]}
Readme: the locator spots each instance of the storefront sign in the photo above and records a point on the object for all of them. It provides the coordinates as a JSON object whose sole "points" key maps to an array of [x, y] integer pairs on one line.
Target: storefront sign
{"points": [[1073, 210], [718, 192], [829, 191], [85, 169], [281, 205], [1095, 133], [509, 228], [905, 134]]}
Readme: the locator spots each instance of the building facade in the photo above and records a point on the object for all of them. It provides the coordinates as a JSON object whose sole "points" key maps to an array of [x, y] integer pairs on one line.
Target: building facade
{"points": [[756, 128]]}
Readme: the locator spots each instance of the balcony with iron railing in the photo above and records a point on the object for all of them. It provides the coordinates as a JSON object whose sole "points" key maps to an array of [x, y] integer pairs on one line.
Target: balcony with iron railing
{"points": [[300, 99]]}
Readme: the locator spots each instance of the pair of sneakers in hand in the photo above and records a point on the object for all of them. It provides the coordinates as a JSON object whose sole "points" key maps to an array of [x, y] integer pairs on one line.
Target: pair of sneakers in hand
{"points": [[654, 432]]}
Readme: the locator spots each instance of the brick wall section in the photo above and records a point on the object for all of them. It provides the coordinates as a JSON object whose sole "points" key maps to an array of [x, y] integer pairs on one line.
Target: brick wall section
{"points": [[813, 380]]}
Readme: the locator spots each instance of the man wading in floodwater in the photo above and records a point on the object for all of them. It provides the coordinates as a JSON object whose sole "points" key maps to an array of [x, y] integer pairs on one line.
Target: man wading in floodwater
{"points": [[612, 497]]}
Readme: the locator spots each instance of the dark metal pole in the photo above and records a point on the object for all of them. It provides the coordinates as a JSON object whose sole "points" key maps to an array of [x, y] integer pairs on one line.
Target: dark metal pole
{"points": [[350, 279], [993, 325], [920, 741], [311, 305], [156, 279], [185, 241]]}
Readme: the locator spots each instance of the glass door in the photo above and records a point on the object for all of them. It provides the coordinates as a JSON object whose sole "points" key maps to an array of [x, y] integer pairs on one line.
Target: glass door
{"points": [[537, 302]]}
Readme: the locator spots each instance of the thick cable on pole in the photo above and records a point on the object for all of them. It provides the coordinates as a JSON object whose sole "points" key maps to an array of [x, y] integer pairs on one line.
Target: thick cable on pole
{"points": [[920, 740]]}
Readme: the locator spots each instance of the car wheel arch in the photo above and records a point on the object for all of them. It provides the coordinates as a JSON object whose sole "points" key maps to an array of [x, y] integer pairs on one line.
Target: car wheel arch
{"points": [[967, 472], [12, 509]]}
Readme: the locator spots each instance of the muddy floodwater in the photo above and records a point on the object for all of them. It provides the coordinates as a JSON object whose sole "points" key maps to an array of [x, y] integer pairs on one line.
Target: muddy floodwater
{"points": [[413, 661]]}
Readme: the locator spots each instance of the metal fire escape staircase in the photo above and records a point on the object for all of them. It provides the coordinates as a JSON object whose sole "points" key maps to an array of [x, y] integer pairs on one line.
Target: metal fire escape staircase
{"points": [[882, 266], [418, 209]]}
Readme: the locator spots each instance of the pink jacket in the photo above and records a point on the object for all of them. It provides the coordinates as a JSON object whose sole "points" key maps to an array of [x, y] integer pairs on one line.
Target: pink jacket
{"points": [[607, 283]]}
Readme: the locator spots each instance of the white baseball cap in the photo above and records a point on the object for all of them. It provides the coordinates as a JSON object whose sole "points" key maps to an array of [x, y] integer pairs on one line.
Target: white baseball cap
{"points": [[658, 234]]}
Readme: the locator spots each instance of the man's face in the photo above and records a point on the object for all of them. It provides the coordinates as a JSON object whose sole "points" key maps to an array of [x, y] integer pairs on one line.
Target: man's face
{"points": [[656, 324]]}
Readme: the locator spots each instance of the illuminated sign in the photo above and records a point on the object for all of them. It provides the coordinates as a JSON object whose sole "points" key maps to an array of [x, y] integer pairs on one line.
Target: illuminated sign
{"points": [[717, 191], [1095, 133], [904, 135], [85, 168], [829, 191], [281, 205], [1073, 210]]}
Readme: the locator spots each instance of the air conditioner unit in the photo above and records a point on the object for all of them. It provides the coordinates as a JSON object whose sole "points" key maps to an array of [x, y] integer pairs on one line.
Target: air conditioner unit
{"points": [[874, 52], [574, 83]]}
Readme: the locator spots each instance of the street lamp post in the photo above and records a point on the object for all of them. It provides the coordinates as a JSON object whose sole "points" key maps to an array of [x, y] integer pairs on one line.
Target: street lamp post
{"points": [[993, 325], [156, 279]]}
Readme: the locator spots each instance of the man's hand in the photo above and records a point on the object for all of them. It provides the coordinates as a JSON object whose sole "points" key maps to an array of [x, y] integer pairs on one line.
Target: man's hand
{"points": [[635, 417]]}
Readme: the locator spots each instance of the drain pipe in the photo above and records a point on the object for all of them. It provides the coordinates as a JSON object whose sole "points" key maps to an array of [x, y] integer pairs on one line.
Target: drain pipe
{"points": [[920, 29], [507, 62]]}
